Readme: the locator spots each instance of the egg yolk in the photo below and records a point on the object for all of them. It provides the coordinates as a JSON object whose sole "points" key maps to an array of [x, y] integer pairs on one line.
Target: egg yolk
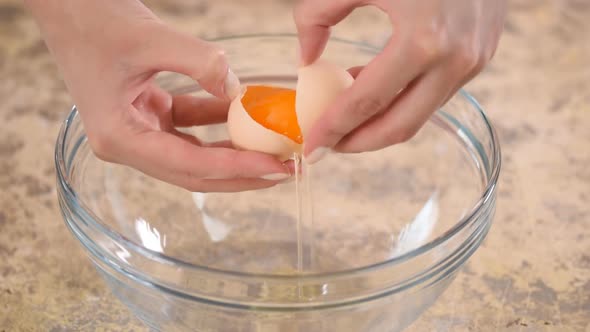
{"points": [[274, 109]]}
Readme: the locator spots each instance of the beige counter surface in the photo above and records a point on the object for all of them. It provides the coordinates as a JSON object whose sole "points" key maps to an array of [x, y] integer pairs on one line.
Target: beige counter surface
{"points": [[531, 274]]}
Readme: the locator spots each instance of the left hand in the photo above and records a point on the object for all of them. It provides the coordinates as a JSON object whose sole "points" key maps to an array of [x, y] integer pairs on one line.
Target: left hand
{"points": [[109, 53]]}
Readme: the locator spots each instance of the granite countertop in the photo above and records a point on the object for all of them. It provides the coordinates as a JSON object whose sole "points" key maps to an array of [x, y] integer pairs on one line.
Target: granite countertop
{"points": [[531, 274]]}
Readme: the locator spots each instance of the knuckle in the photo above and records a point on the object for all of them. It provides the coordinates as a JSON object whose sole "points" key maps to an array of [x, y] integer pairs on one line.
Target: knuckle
{"points": [[469, 59], [239, 173], [235, 158], [430, 44], [364, 108], [213, 73], [216, 57], [102, 146], [190, 173], [217, 54]]}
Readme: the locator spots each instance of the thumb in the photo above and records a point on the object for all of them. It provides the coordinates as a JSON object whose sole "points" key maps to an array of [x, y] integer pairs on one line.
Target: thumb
{"points": [[314, 20], [205, 62]]}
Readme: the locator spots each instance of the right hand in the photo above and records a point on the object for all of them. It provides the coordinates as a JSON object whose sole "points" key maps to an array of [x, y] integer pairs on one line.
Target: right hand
{"points": [[108, 53], [437, 46]]}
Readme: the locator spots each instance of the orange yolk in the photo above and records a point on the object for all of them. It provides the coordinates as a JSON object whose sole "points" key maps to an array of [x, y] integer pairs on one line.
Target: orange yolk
{"points": [[274, 109]]}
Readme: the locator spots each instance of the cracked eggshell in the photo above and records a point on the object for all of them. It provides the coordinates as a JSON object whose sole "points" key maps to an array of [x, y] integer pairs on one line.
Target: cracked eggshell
{"points": [[318, 84], [247, 134]]}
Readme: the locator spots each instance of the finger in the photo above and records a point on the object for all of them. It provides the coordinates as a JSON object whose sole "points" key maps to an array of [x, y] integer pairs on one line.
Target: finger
{"points": [[405, 117], [372, 92], [289, 164], [456, 89], [228, 144], [468, 63], [313, 20], [205, 62], [228, 185], [190, 111], [176, 160]]}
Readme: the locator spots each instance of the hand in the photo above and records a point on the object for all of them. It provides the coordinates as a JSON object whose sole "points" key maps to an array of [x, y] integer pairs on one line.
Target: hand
{"points": [[109, 52], [437, 46]]}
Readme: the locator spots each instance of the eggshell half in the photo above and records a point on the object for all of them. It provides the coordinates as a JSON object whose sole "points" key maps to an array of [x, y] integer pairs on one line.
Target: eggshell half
{"points": [[318, 84], [247, 134]]}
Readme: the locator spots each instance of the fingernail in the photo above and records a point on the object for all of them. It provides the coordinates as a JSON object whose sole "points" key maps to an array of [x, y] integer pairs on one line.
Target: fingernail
{"points": [[276, 177], [231, 85], [316, 155]]}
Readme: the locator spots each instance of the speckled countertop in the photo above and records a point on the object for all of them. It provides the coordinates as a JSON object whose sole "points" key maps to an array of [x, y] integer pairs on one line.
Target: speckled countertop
{"points": [[532, 273]]}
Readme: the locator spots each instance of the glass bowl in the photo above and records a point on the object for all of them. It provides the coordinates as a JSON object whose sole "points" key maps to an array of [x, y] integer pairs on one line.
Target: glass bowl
{"points": [[390, 229]]}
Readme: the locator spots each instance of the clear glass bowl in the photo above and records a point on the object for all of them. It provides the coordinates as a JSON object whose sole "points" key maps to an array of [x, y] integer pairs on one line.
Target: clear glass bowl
{"points": [[390, 228]]}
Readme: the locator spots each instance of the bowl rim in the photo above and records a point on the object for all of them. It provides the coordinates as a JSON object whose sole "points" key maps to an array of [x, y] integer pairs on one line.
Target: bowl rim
{"points": [[90, 219]]}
